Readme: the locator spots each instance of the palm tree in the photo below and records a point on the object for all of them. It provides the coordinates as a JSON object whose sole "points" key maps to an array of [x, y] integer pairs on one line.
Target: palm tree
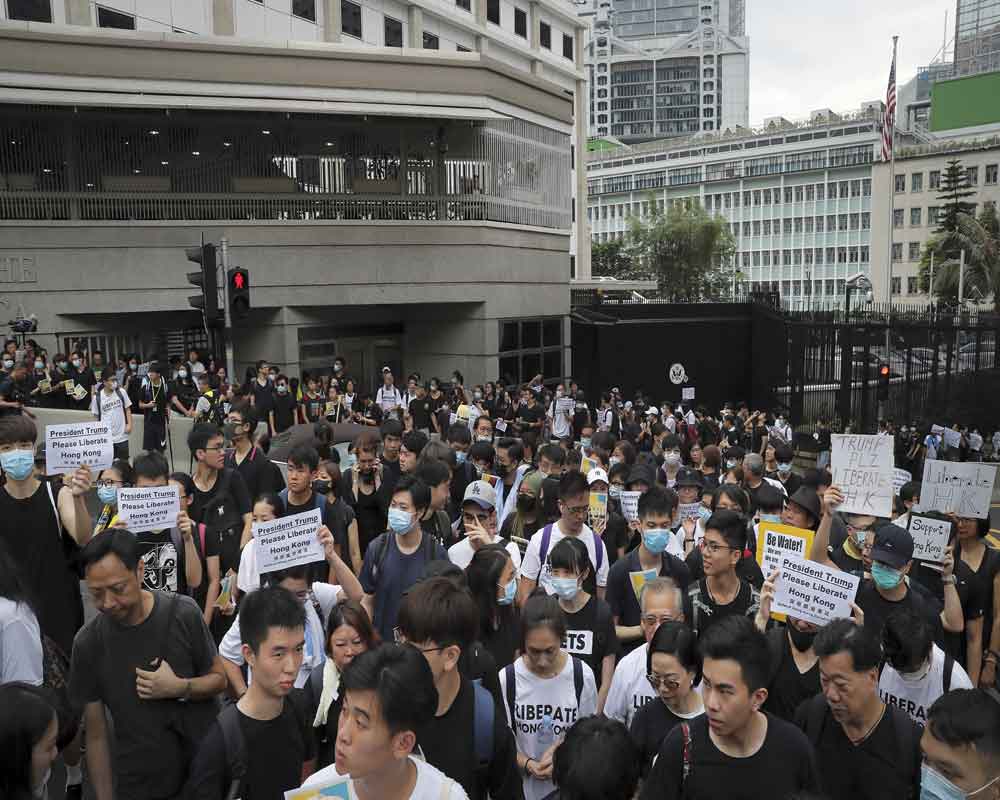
{"points": [[980, 239]]}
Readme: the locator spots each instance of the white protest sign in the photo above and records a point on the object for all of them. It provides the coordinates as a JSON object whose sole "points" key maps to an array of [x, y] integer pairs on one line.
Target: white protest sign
{"points": [[688, 511], [565, 405], [76, 444], [687, 393], [154, 508], [501, 425], [862, 469], [900, 477], [630, 505], [951, 438], [930, 538], [812, 592], [965, 489], [937, 430], [288, 541]]}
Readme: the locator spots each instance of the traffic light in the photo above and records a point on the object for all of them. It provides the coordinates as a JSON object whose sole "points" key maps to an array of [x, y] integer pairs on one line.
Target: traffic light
{"points": [[239, 292], [205, 279], [883, 382]]}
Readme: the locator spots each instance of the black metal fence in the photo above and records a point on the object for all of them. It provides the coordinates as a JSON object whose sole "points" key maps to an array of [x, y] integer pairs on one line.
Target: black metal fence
{"points": [[944, 365]]}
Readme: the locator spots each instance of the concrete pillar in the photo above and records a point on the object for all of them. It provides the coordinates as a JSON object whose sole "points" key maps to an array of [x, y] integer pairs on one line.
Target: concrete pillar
{"points": [[578, 48], [415, 23], [537, 67], [78, 13], [223, 18], [580, 115], [534, 20], [479, 9], [483, 45], [333, 22]]}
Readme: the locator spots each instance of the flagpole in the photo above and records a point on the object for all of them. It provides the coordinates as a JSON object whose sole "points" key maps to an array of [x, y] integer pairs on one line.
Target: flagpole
{"points": [[892, 203]]}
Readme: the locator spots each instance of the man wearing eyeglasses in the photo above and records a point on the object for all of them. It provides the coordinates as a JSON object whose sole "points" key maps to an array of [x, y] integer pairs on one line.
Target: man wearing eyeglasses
{"points": [[721, 593], [574, 505], [661, 601], [479, 525]]}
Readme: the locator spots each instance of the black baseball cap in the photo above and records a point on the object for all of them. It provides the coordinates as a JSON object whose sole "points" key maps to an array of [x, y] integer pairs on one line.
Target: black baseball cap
{"points": [[689, 477], [893, 546]]}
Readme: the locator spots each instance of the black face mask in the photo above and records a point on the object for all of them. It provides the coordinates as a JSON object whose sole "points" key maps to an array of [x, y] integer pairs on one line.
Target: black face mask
{"points": [[321, 487], [801, 640], [525, 503], [500, 469]]}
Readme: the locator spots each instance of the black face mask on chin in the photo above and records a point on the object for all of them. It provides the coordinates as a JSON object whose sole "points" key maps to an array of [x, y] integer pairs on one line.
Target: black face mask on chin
{"points": [[801, 640]]}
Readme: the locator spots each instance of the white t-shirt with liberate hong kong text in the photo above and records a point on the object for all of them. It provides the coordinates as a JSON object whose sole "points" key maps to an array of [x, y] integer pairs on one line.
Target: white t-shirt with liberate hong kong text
{"points": [[629, 690], [544, 709], [915, 695], [112, 412]]}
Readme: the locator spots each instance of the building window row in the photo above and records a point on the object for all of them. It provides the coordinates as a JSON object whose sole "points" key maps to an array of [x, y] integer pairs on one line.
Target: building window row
{"points": [[805, 257]]}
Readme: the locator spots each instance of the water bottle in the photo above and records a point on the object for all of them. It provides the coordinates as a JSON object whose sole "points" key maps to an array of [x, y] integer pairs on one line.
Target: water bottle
{"points": [[546, 731]]}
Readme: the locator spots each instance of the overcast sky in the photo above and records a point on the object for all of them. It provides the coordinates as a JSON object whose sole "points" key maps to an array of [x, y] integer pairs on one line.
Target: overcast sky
{"points": [[810, 54]]}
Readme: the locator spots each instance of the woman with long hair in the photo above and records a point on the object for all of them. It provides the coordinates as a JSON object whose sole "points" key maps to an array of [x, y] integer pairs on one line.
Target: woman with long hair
{"points": [[492, 579], [20, 636], [29, 727], [527, 516], [349, 633]]}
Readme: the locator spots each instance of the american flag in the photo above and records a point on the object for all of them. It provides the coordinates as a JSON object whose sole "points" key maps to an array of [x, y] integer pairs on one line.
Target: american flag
{"points": [[889, 120]]}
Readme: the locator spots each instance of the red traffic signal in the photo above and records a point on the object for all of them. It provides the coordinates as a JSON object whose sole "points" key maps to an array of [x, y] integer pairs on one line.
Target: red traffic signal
{"points": [[883, 371], [239, 292]]}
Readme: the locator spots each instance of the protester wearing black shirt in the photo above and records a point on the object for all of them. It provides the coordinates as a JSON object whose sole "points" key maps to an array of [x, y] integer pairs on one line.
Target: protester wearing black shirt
{"points": [[673, 668], [259, 473], [865, 749], [276, 733], [530, 415], [262, 391], [440, 619], [736, 751], [420, 410], [284, 406]]}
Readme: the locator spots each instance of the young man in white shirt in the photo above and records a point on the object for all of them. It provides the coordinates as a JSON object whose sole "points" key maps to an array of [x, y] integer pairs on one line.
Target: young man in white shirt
{"points": [[574, 505], [112, 406], [388, 694], [479, 519]]}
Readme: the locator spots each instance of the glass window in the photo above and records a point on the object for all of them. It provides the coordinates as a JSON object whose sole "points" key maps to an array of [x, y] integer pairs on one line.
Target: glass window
{"points": [[493, 11], [552, 332], [897, 218], [465, 4], [531, 334], [567, 46], [911, 284], [913, 253], [932, 214], [934, 179], [866, 220], [107, 18], [917, 182], [520, 23], [897, 251], [350, 18], [305, 9], [30, 10], [973, 173], [431, 42], [915, 214], [900, 183], [897, 285], [866, 187], [552, 363], [991, 174], [393, 32], [545, 35], [508, 336]]}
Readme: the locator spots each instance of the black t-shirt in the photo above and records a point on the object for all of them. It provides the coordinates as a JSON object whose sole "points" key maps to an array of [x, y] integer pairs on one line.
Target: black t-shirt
{"points": [[503, 640], [650, 726], [448, 743], [971, 595], [877, 609], [844, 561], [616, 535], [259, 473], [621, 597], [420, 411], [789, 687], [276, 749], [283, 406], [263, 398], [234, 503], [371, 509], [590, 635], [875, 769], [314, 406], [164, 565], [528, 415], [747, 568], [783, 766], [703, 611]]}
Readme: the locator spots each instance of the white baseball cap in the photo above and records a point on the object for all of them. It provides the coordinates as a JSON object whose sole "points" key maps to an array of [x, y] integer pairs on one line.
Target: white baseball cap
{"points": [[595, 475], [482, 493]]}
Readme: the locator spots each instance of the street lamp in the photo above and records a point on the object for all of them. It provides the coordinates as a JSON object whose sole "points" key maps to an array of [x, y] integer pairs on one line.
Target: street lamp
{"points": [[857, 283]]}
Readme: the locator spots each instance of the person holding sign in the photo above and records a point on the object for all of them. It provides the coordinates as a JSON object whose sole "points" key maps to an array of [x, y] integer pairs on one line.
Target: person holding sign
{"points": [[854, 555], [42, 524], [984, 562], [647, 561], [865, 749], [590, 634], [735, 751]]}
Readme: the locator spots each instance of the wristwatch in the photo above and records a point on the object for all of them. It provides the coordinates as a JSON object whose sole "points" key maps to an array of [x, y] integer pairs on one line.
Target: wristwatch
{"points": [[949, 579]]}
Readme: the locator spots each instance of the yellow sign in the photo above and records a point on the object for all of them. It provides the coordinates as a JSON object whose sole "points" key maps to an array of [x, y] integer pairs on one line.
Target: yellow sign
{"points": [[639, 581], [776, 541], [598, 511]]}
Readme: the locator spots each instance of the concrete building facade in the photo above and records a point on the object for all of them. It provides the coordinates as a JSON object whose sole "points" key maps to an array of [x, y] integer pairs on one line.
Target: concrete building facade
{"points": [[407, 205]]}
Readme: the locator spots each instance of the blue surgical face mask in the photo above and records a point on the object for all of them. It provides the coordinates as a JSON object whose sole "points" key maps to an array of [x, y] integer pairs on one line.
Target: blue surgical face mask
{"points": [[704, 514], [399, 520], [460, 456], [934, 786], [656, 540], [885, 577], [508, 593], [584, 441], [17, 464], [784, 467], [770, 518], [565, 588], [107, 494], [615, 491], [348, 462]]}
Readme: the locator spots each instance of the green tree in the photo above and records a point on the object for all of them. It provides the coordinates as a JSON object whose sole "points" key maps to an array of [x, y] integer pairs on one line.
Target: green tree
{"points": [[689, 252], [980, 239], [612, 260], [954, 189]]}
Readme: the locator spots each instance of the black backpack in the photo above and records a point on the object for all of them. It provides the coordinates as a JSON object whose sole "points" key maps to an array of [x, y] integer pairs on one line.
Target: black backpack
{"points": [[223, 520]]}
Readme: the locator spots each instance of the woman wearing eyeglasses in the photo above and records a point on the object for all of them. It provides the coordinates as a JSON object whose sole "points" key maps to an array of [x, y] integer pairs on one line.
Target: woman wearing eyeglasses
{"points": [[118, 476], [545, 691], [673, 670]]}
